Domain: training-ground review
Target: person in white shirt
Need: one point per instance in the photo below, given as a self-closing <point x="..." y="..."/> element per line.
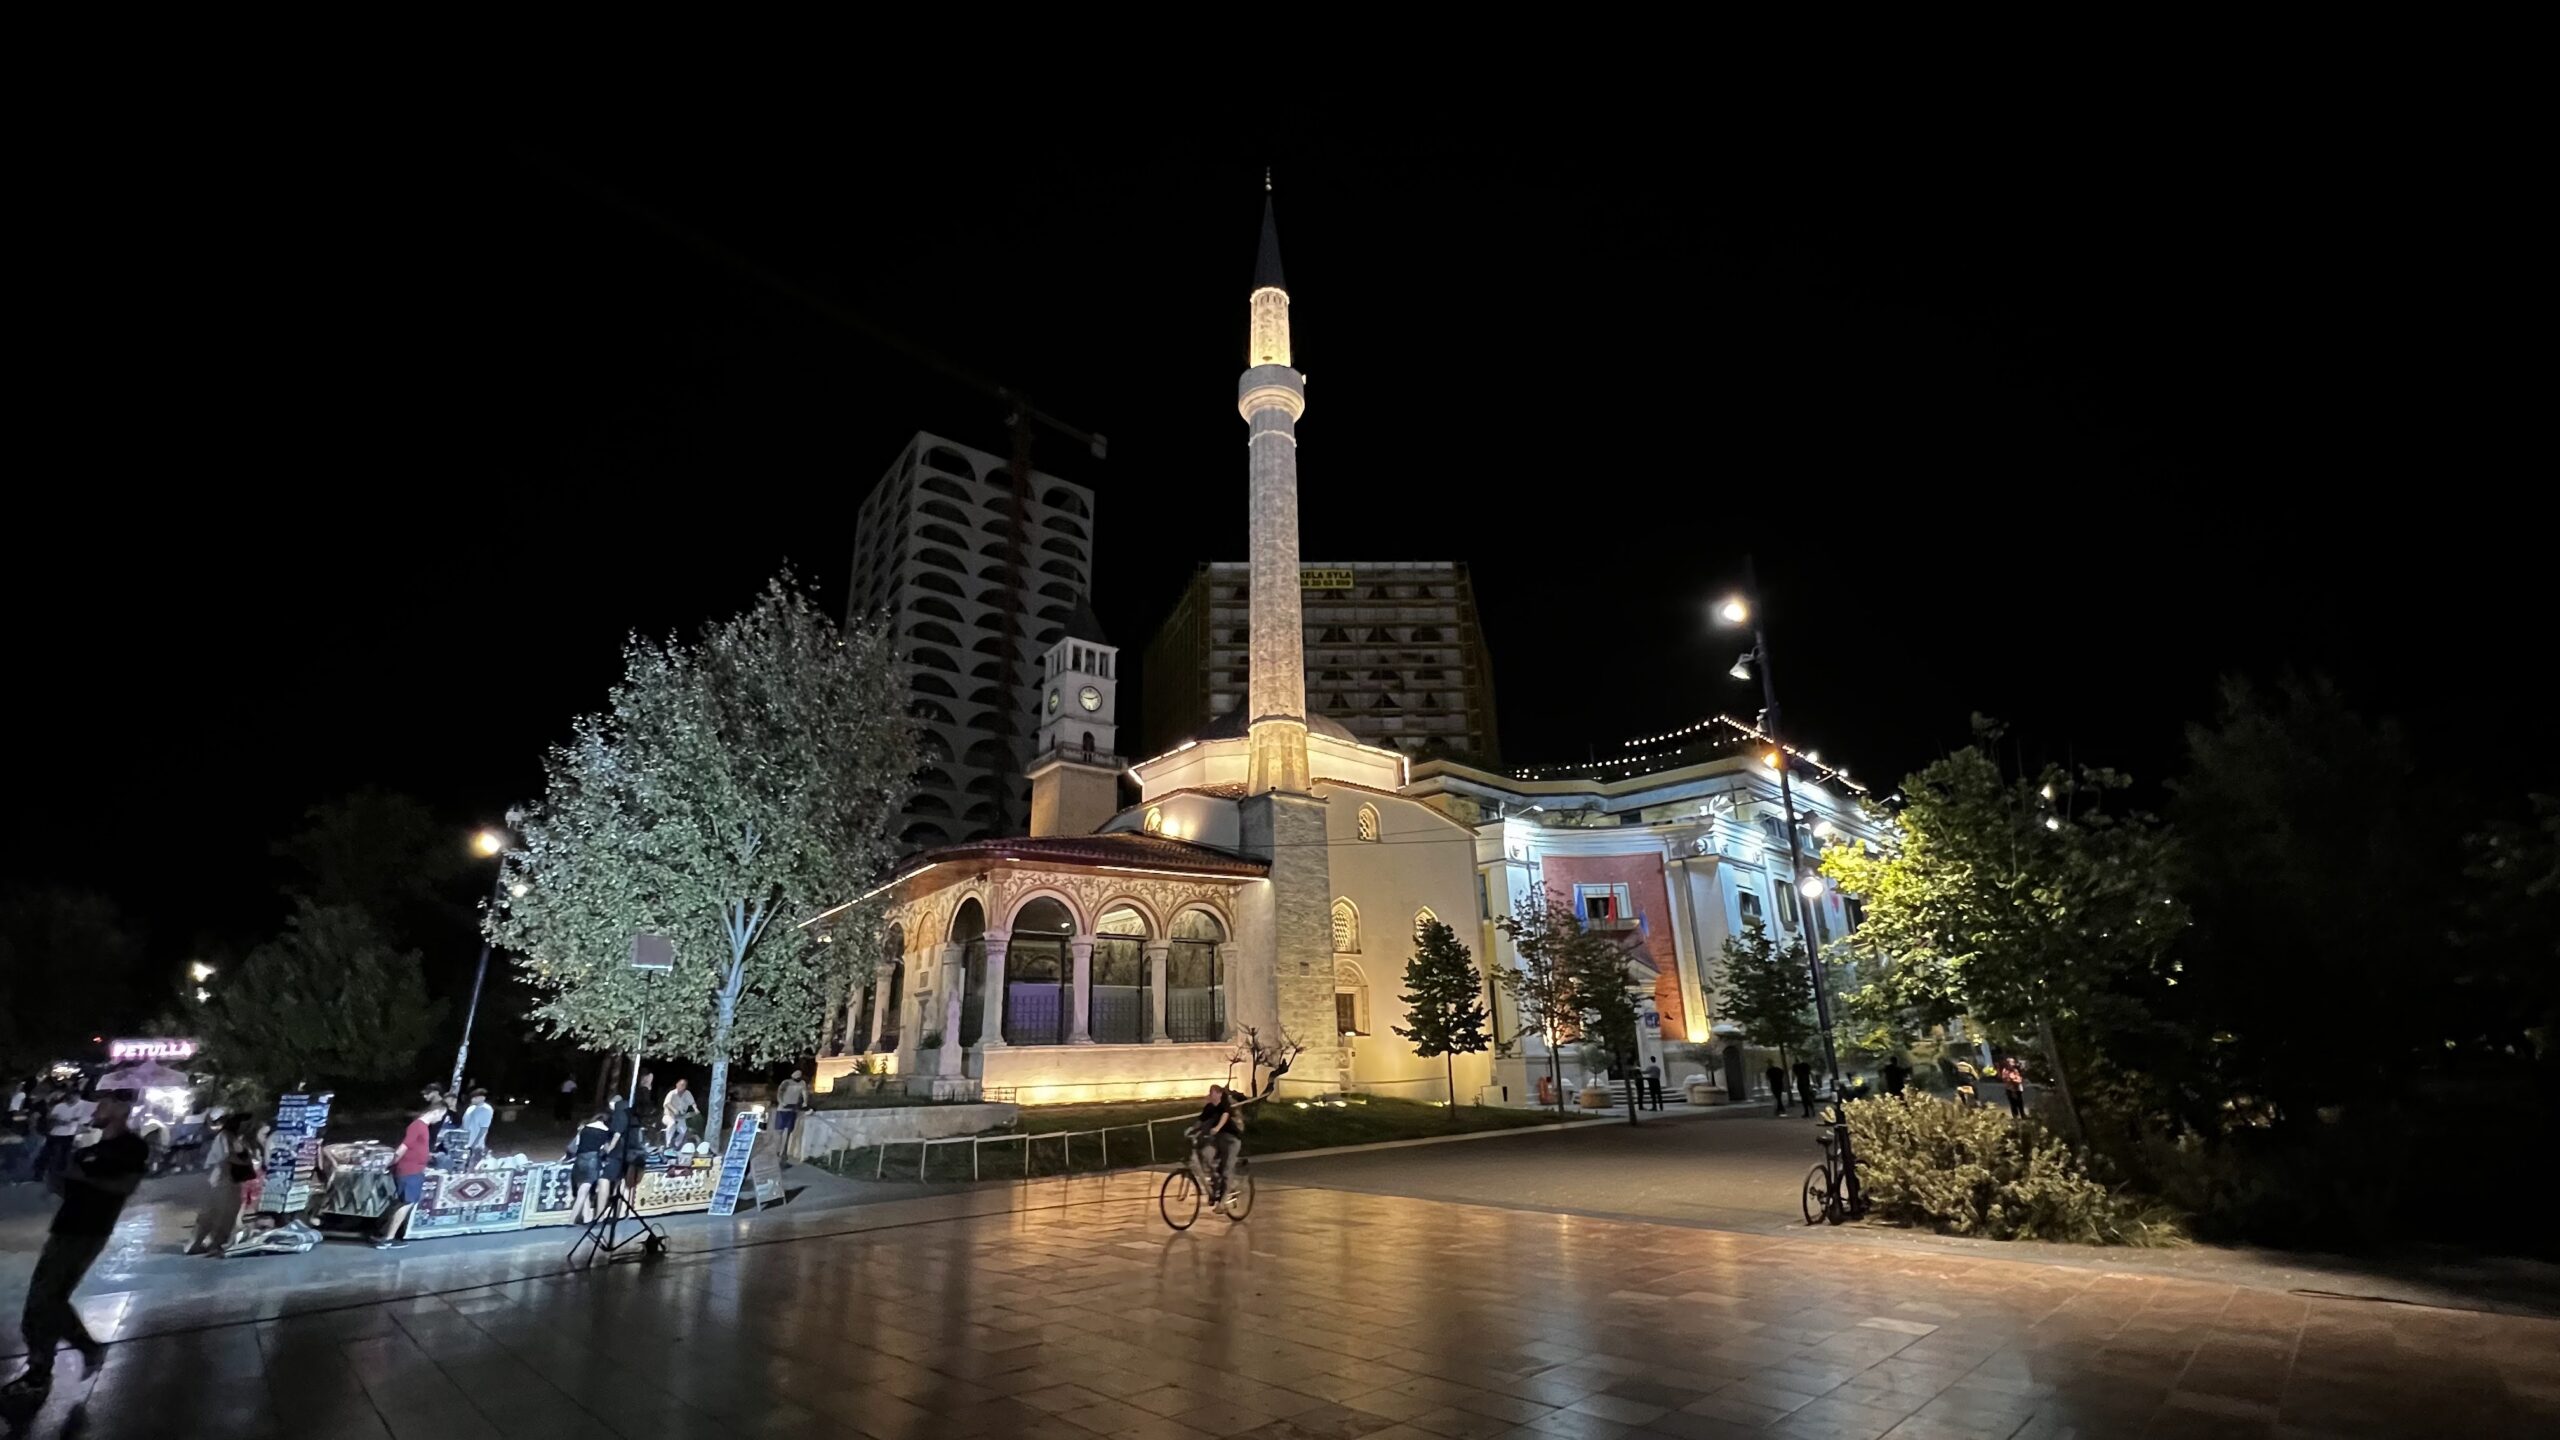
<point x="475" y="1127"/>
<point x="678" y="1109"/>
<point x="789" y="1099"/>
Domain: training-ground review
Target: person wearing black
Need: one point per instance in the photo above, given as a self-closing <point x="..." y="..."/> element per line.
<point x="95" y="1185"/>
<point x="632" y="1155"/>
<point x="1217" y="1136"/>
<point x="1777" y="1088"/>
<point x="594" y="1141"/>
<point x="1896" y="1075"/>
<point x="1804" y="1085"/>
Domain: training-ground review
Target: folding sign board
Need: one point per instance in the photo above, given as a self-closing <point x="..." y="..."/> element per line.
<point x="652" y="952"/>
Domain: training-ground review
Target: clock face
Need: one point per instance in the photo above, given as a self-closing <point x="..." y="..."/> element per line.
<point x="1089" y="698"/>
<point x="1053" y="702"/>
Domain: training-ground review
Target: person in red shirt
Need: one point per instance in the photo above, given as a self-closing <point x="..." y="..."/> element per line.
<point x="409" y="1169"/>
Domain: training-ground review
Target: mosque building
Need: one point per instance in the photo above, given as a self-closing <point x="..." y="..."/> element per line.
<point x="1268" y="882"/>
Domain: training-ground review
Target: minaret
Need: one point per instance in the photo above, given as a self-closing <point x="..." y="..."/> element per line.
<point x="1271" y="397"/>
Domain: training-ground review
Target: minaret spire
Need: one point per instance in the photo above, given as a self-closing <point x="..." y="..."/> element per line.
<point x="1272" y="396"/>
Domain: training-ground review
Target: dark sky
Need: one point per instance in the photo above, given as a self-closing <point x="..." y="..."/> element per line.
<point x="384" y="442"/>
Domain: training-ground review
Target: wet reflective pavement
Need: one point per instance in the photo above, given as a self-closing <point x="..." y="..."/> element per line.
<point x="1068" y="1310"/>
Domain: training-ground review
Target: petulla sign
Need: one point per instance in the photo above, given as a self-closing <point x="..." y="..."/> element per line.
<point x="1324" y="579"/>
<point x="151" y="1049"/>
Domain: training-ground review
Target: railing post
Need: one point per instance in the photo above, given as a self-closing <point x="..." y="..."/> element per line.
<point x="973" y="1161"/>
<point x="1151" y="1143"/>
<point x="1106" y="1151"/>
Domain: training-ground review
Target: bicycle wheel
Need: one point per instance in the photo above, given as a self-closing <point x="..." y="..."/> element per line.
<point x="1817" y="1196"/>
<point x="1239" y="1195"/>
<point x="1179" y="1200"/>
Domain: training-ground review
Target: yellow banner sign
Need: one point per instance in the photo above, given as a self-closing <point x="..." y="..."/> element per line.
<point x="1324" y="579"/>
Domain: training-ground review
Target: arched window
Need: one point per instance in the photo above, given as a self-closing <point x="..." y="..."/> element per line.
<point x="1039" y="975"/>
<point x="944" y="508"/>
<point x="1195" y="987"/>
<point x="1366" y="822"/>
<point x="931" y="658"/>
<point x="1421" y="918"/>
<point x="1066" y="500"/>
<point x="990" y="755"/>
<point x="922" y="836"/>
<point x="1121" y="1009"/>
<point x="983" y="810"/>
<point x="927" y="710"/>
<point x="1350" y="1000"/>
<point x="932" y="685"/>
<point x="969" y="932"/>
<point x="1155" y="819"/>
<point x="1058" y="590"/>
<point x="928" y="805"/>
<point x="941" y="560"/>
<point x="1061" y="567"/>
<point x="933" y="630"/>
<point x="1346" y="928"/>
<point x="935" y="580"/>
<point x="1088" y="745"/>
<point x="930" y="776"/>
<point x="933" y="747"/>
<point x="942" y="535"/>
<point x="1060" y="522"/>
<point x="941" y="457"/>
<point x="1061" y="545"/>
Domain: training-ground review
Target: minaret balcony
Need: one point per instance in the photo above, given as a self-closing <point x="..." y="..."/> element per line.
<point x="1271" y="387"/>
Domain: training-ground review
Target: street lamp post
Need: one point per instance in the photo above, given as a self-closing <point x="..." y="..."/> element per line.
<point x="1745" y="609"/>
<point x="491" y="843"/>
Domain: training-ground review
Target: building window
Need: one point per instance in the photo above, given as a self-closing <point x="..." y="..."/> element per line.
<point x="969" y="931"/>
<point x="1484" y="895"/>
<point x="1350" y="1000"/>
<point x="1039" y="983"/>
<point x="1751" y="908"/>
<point x="1367" y="822"/>
<point x="1155" y="820"/>
<point x="1854" y="911"/>
<point x="1786" y="904"/>
<point x="1602" y="904"/>
<point x="1195" y="989"/>
<point x="1346" y="928"/>
<point x="1121" y="1008"/>
<point x="1421" y="918"/>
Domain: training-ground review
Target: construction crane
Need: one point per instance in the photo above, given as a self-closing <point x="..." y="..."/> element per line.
<point x="1020" y="416"/>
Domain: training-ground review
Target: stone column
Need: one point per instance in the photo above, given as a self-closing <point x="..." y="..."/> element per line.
<point x="1080" y="1027"/>
<point x="1158" y="953"/>
<point x="952" y="985"/>
<point x="991" y="1007"/>
<point x="879" y="1015"/>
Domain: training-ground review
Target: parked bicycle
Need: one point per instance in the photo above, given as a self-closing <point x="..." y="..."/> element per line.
<point x="1831" y="1190"/>
<point x="1185" y="1189"/>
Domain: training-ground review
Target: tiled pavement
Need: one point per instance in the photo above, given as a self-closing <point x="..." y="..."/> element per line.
<point x="1329" y="1316"/>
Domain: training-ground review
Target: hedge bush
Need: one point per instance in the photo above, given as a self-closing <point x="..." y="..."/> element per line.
<point x="1964" y="1170"/>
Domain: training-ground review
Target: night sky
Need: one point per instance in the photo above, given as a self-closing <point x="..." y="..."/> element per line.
<point x="385" y="444"/>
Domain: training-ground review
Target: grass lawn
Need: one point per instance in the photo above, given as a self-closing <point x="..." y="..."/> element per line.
<point x="1272" y="1128"/>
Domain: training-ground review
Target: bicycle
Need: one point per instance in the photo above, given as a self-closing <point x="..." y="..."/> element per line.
<point x="1831" y="1190"/>
<point x="1180" y="1197"/>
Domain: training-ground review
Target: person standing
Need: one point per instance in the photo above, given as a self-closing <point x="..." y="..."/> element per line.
<point x="2013" y="1080"/>
<point x="475" y="1128"/>
<point x="567" y="1100"/>
<point x="232" y="1163"/>
<point x="1804" y="1085"/>
<point x="1896" y="1075"/>
<point x="1653" y="1083"/>
<point x="644" y="1100"/>
<point x="95" y="1184"/>
<point x="594" y="1142"/>
<point x="788" y="1101"/>
<point x="1777" y="1088"/>
<point x="61" y="1126"/>
<point x="409" y="1172"/>
<point x="679" y="1109"/>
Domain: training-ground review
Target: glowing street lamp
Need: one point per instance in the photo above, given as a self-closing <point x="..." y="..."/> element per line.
<point x="490" y="842"/>
<point x="199" y="972"/>
<point x="1743" y="608"/>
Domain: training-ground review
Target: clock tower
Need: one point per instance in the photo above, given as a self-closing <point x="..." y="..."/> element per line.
<point x="1075" y="763"/>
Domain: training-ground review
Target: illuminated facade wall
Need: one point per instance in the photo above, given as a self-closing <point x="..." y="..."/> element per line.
<point x="931" y="551"/>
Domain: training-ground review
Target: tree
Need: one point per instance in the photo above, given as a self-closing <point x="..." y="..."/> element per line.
<point x="1440" y="998"/>
<point x="74" y="967"/>
<point x="2025" y="903"/>
<point x="1544" y="932"/>
<point x="1768" y="991"/>
<point x="1605" y="1002"/>
<point x="732" y="791"/>
<point x="391" y="855"/>
<point x="330" y="1001"/>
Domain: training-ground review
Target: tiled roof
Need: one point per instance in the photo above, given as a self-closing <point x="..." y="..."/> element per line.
<point x="1148" y="852"/>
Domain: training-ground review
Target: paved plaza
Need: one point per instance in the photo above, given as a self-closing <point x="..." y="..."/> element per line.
<point x="1066" y="1309"/>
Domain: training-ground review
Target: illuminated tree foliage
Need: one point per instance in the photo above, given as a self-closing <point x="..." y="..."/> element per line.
<point x="1768" y="991"/>
<point x="1443" y="999"/>
<point x="329" y="1002"/>
<point x="732" y="790"/>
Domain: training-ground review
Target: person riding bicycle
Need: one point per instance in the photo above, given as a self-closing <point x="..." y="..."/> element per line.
<point x="1217" y="1137"/>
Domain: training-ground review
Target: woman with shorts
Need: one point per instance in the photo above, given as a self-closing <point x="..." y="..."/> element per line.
<point x="586" y="1166"/>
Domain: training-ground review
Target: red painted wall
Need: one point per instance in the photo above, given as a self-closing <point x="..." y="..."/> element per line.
<point x="1649" y="896"/>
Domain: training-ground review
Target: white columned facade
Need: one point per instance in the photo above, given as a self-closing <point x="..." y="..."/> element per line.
<point x="1158" y="956"/>
<point x="991" y="1005"/>
<point x="1080" y="1027"/>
